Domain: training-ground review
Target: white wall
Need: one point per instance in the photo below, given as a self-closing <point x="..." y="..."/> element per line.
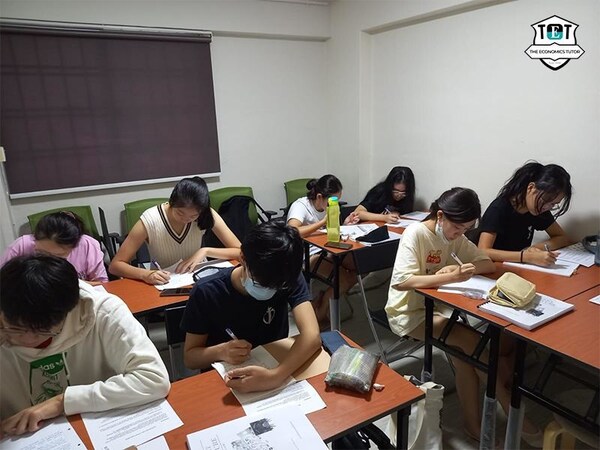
<point x="269" y="67"/>
<point x="456" y="98"/>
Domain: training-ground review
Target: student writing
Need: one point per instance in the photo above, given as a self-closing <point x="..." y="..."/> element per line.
<point x="252" y="300"/>
<point x="389" y="199"/>
<point x="61" y="234"/>
<point x="66" y="348"/>
<point x="532" y="199"/>
<point x="173" y="231"/>
<point x="424" y="261"/>
<point x="308" y="214"/>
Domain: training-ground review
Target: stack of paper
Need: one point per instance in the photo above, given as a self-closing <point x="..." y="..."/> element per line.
<point x="476" y="284"/>
<point x="281" y="428"/>
<point x="541" y="310"/>
<point x="186" y="279"/>
<point x="562" y="268"/>
<point x="576" y="253"/>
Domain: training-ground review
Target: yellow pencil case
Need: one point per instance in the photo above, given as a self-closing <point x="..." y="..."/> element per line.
<point x="512" y="290"/>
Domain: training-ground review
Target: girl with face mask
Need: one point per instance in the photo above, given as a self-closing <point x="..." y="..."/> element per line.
<point x="308" y="214"/>
<point x="534" y="197"/>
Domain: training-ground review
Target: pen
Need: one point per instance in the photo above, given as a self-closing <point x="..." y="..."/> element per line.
<point x="546" y="247"/>
<point x="456" y="258"/>
<point x="386" y="211"/>
<point x="156" y="264"/>
<point x="231" y="334"/>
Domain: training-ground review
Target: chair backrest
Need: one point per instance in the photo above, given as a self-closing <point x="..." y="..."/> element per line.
<point x="173" y="316"/>
<point x="375" y="257"/>
<point x="294" y="189"/>
<point x="218" y="196"/>
<point x="109" y="240"/>
<point x="133" y="210"/>
<point x="83" y="212"/>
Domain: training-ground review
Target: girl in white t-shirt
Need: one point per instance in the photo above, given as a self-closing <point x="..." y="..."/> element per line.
<point x="424" y="261"/>
<point x="308" y="214"/>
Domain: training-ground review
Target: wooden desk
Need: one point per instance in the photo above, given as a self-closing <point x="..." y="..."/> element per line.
<point x="575" y="337"/>
<point x="337" y="255"/>
<point x="141" y="298"/>
<point x="203" y="401"/>
<point x="555" y="286"/>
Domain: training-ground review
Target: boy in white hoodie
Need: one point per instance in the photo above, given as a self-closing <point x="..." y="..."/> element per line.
<point x="66" y="348"/>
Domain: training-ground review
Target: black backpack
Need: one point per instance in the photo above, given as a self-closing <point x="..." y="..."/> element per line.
<point x="234" y="212"/>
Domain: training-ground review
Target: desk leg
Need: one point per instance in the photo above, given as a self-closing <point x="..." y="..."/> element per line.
<point x="402" y="429"/>
<point x="487" y="436"/>
<point x="428" y="351"/>
<point x="515" y="414"/>
<point x="334" y="302"/>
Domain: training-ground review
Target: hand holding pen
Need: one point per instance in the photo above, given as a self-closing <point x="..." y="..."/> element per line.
<point x="464" y="271"/>
<point x="156" y="276"/>
<point x="235" y="351"/>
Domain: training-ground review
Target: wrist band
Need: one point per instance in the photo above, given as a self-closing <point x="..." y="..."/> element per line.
<point x="522" y="256"/>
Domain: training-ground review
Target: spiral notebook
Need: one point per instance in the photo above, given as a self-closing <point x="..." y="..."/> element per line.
<point x="542" y="309"/>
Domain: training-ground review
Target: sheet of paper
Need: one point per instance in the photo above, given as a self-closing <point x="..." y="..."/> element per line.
<point x="562" y="268"/>
<point x="416" y="215"/>
<point x="121" y="428"/>
<point x="185" y="279"/>
<point x="57" y="434"/>
<point x="576" y="253"/>
<point x="476" y="283"/>
<point x="160" y="443"/>
<point x="354" y="231"/>
<point x="595" y="299"/>
<point x="300" y="394"/>
<point x="402" y="223"/>
<point x="281" y="428"/>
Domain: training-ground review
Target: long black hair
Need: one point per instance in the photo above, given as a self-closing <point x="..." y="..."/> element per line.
<point x="383" y="189"/>
<point x="193" y="193"/>
<point x="459" y="205"/>
<point x="327" y="185"/>
<point x="64" y="228"/>
<point x="550" y="180"/>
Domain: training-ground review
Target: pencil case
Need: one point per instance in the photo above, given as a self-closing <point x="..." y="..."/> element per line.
<point x="512" y="290"/>
<point x="352" y="368"/>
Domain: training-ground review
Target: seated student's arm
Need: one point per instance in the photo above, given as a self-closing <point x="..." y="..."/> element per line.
<point x="120" y="264"/>
<point x="230" y="241"/>
<point x="96" y="272"/>
<point x="558" y="238"/>
<point x="308" y="341"/>
<point x="196" y="355"/>
<point x="365" y="215"/>
<point x="140" y="374"/>
<point x="306" y="230"/>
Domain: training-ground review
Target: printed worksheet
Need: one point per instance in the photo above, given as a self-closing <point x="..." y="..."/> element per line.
<point x="57" y="434"/>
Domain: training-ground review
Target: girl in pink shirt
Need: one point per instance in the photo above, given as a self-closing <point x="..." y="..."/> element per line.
<point x="61" y="234"/>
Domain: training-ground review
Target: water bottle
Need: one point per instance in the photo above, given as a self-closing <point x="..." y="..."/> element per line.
<point x="333" y="219"/>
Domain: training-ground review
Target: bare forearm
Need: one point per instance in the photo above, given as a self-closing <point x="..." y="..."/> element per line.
<point x="424" y="281"/>
<point x="302" y="349"/>
<point x="555" y="243"/>
<point x="503" y="255"/>
<point x="223" y="253"/>
<point x="203" y="357"/>
<point x="123" y="269"/>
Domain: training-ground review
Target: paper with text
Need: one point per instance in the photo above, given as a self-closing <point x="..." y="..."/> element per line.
<point x="57" y="434"/>
<point x="281" y="428"/>
<point x="121" y="428"/>
<point x="476" y="283"/>
<point x="160" y="443"/>
<point x="301" y="394"/>
<point x="402" y="223"/>
<point x="576" y="253"/>
<point x="562" y="268"/>
<point x="186" y="279"/>
<point x="416" y="215"/>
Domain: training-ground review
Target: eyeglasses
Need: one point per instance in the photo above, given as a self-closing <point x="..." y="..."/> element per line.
<point x="20" y="331"/>
<point x="399" y="193"/>
<point x="550" y="207"/>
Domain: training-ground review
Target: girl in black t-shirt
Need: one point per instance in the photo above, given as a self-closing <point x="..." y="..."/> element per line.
<point x="390" y="198"/>
<point x="532" y="199"/>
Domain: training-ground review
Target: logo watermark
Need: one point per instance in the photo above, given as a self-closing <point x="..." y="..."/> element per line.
<point x="554" y="43"/>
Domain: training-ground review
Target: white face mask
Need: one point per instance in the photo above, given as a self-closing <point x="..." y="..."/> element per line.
<point x="257" y="291"/>
<point x="439" y="231"/>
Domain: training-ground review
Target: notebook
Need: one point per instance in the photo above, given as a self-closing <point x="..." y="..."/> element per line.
<point x="542" y="309"/>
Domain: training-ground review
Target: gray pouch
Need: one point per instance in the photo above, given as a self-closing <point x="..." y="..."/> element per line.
<point x="352" y="368"/>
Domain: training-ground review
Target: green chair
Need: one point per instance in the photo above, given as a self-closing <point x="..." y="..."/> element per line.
<point x="295" y="189"/>
<point x="218" y="196"/>
<point x="133" y="210"/>
<point x="83" y="212"/>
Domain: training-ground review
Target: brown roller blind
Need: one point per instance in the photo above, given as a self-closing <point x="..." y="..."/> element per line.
<point x="83" y="107"/>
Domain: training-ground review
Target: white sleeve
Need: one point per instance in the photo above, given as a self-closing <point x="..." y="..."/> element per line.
<point x="141" y="376"/>
<point x="298" y="211"/>
<point x="408" y="258"/>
